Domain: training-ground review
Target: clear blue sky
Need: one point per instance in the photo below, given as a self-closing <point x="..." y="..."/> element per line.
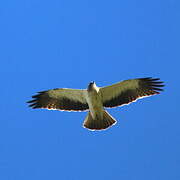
<point x="67" y="43"/>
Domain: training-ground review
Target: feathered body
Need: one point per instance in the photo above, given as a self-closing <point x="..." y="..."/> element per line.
<point x="95" y="99"/>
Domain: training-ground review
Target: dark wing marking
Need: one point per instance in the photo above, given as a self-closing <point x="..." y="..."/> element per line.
<point x="128" y="91"/>
<point x="60" y="99"/>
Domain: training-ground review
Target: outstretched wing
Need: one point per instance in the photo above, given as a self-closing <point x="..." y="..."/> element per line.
<point x="128" y="91"/>
<point x="60" y="99"/>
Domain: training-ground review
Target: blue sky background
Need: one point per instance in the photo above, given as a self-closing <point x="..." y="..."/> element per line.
<point x="66" y="43"/>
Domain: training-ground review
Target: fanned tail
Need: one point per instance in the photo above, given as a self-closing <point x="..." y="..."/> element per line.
<point x="99" y="124"/>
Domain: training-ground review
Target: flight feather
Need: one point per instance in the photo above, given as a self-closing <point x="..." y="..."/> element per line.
<point x="128" y="91"/>
<point x="60" y="99"/>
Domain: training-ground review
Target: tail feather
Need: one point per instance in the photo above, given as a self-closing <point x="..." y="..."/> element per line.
<point x="99" y="124"/>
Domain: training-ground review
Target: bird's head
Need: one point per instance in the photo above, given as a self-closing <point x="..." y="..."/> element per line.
<point x="91" y="85"/>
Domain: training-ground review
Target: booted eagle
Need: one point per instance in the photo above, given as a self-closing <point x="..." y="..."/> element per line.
<point x="95" y="99"/>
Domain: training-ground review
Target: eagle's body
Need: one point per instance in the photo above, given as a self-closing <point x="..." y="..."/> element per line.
<point x="95" y="99"/>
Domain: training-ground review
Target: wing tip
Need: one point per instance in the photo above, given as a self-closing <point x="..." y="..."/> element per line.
<point x="154" y="84"/>
<point x="34" y="102"/>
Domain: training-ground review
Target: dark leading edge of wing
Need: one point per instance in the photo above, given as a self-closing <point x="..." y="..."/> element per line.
<point x="53" y="101"/>
<point x="146" y="87"/>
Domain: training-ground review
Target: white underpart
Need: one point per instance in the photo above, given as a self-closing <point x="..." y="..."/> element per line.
<point x="95" y="102"/>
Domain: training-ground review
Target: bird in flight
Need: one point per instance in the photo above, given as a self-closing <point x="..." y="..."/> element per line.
<point x="95" y="99"/>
